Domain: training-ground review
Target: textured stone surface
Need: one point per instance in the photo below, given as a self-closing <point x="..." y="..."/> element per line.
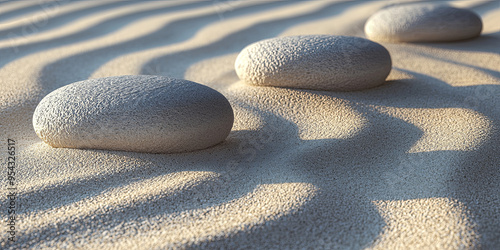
<point x="152" y="114"/>
<point x="322" y="62"/>
<point x="423" y="23"/>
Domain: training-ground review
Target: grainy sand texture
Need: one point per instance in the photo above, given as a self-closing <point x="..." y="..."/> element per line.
<point x="411" y="164"/>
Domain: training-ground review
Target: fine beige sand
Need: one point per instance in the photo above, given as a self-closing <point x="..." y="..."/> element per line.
<point x="412" y="164"/>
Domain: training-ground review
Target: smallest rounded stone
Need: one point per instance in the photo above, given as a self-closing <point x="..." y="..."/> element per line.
<point x="423" y="22"/>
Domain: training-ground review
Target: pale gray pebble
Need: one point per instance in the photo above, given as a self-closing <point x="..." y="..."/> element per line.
<point x="152" y="114"/>
<point x="423" y="22"/>
<point x="318" y="62"/>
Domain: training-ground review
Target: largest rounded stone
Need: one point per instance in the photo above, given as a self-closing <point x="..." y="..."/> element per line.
<point x="151" y="114"/>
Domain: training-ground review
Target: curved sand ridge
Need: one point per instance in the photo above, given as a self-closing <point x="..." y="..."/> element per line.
<point x="370" y="169"/>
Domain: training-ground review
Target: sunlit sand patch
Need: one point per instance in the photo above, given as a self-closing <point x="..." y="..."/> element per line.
<point x="316" y="116"/>
<point x="440" y="223"/>
<point x="118" y="198"/>
<point x="491" y="20"/>
<point x="332" y="118"/>
<point x="474" y="67"/>
<point x="397" y="74"/>
<point x="267" y="203"/>
<point x="445" y="128"/>
<point x="246" y="119"/>
<point x="216" y="72"/>
<point x="455" y="67"/>
<point x="64" y="169"/>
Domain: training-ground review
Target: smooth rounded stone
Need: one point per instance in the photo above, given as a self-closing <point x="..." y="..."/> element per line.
<point x="152" y="114"/>
<point x="319" y="62"/>
<point x="423" y="23"/>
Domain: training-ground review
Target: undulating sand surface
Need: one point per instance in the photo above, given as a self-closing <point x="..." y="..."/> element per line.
<point x="412" y="164"/>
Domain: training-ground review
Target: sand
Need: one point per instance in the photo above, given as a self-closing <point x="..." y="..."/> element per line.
<point x="411" y="164"/>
